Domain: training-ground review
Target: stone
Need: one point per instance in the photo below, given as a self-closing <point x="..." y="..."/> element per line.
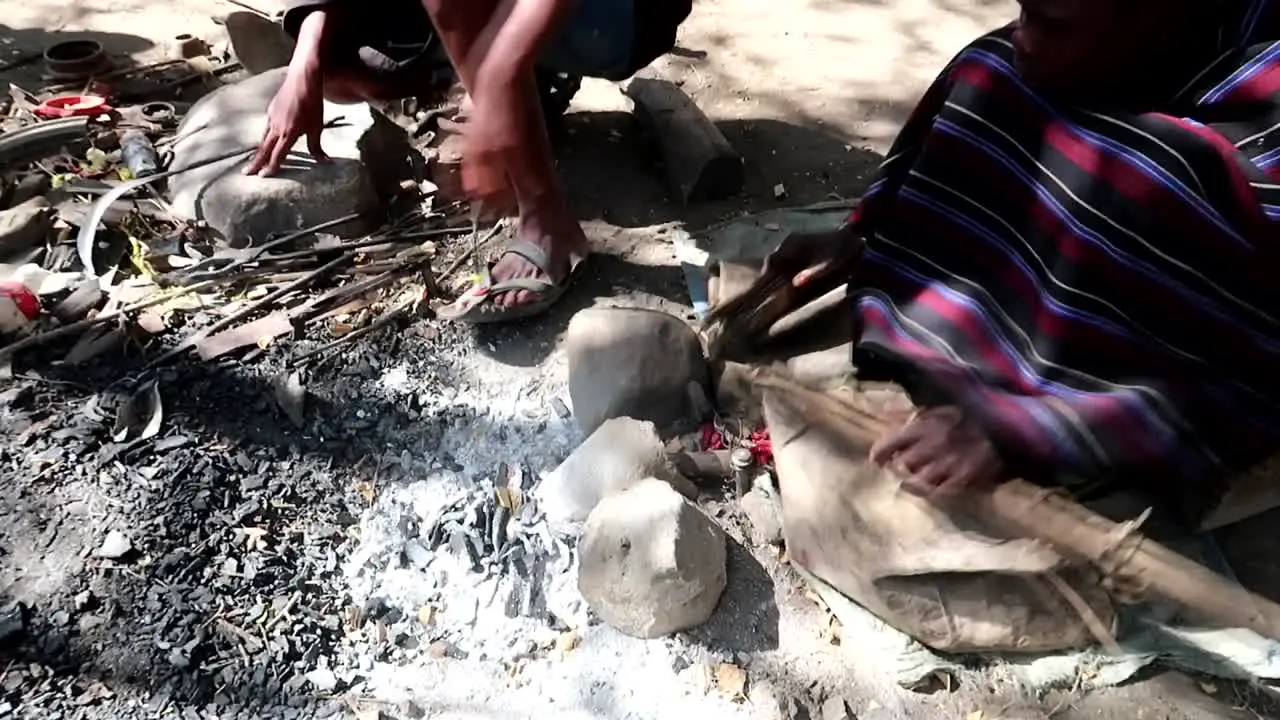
<point x="643" y="364"/>
<point x="736" y="396"/>
<point x="369" y="159"/>
<point x="114" y="546"/>
<point x="651" y="563"/>
<point x="762" y="509"/>
<point x="619" y="454"/>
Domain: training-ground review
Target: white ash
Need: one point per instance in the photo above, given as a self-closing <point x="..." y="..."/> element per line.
<point x="482" y="626"/>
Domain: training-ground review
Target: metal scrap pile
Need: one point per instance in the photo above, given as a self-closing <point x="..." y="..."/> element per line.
<point x="92" y="256"/>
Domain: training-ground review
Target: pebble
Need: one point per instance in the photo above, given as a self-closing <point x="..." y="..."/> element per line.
<point x="115" y="546"/>
<point x="323" y="679"/>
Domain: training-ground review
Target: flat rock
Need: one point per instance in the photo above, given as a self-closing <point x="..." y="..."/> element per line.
<point x="369" y="154"/>
<point x="114" y="546"/>
<point x="643" y="364"/>
<point x="619" y="454"/>
<point x="651" y="563"/>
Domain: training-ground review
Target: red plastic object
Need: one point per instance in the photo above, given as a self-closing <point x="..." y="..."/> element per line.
<point x="71" y="105"/>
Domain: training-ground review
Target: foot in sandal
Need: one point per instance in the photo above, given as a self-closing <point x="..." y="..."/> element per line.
<point x="532" y="273"/>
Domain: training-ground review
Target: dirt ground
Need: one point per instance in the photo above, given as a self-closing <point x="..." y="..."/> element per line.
<point x="811" y="91"/>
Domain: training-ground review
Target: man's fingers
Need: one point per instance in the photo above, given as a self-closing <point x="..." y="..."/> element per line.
<point x="811" y="273"/>
<point x="262" y="154"/>
<point x="929" y="478"/>
<point x="895" y="441"/>
<point x="279" y="151"/>
<point x="313" y="145"/>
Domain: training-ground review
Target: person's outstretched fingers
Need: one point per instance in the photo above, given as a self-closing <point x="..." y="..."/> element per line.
<point x="262" y="154"/>
<point x="279" y="151"/>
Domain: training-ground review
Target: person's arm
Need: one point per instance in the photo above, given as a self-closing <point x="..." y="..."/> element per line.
<point x="509" y="47"/>
<point x="297" y="109"/>
<point x="313" y="32"/>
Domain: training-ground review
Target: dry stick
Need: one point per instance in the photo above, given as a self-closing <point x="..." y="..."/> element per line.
<point x="466" y="254"/>
<point x="88" y="323"/>
<point x="1023" y="509"/>
<point x="252" y="308"/>
<point x="253" y="254"/>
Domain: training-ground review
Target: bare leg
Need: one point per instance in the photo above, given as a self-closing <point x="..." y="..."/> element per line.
<point x="544" y="217"/>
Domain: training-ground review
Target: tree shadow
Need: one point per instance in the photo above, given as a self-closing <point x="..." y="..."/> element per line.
<point x="613" y="173"/>
<point x="21" y="51"/>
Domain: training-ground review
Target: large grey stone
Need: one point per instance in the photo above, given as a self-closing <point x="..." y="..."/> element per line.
<point x="369" y="157"/>
<point x="650" y="562"/>
<point x="636" y="363"/>
<point x="619" y="454"/>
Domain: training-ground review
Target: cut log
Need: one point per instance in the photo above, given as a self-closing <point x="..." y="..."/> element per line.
<point x="699" y="163"/>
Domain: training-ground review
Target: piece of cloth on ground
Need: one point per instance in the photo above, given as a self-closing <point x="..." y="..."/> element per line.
<point x="1145" y="639"/>
<point x="1096" y="290"/>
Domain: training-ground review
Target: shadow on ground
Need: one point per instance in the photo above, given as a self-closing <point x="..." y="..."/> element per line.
<point x="21" y="51"/>
<point x="613" y="173"/>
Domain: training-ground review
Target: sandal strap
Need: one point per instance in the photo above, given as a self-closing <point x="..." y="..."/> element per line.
<point x="534" y="254"/>
<point x="535" y="285"/>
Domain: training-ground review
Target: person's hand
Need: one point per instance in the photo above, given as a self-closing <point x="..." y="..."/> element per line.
<point x="805" y="257"/>
<point x="489" y="140"/>
<point x="297" y="110"/>
<point x="940" y="452"/>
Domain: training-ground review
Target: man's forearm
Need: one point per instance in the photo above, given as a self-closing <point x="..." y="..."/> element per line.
<point x="312" y="35"/>
<point x="512" y="44"/>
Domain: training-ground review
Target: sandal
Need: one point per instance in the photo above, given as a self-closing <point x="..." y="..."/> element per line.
<point x="476" y="305"/>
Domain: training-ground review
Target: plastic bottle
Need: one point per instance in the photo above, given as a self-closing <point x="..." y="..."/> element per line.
<point x="138" y="153"/>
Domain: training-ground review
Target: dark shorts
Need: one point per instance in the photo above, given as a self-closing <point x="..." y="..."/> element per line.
<point x="610" y="39"/>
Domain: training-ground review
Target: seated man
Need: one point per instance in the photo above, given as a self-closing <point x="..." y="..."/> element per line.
<point x="348" y="52"/>
<point x="1075" y="240"/>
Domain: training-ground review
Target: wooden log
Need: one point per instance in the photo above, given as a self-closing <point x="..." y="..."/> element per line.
<point x="1023" y="509"/>
<point x="699" y="163"/>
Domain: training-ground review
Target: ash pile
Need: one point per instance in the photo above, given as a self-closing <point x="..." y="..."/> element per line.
<point x="450" y="568"/>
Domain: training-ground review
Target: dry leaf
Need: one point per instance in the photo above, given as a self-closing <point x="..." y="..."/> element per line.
<point x="339" y="329"/>
<point x="1209" y="688"/>
<point x="732" y="681"/>
<point x="366" y="490"/>
<point x="975" y="715"/>
<point x="427" y="615"/>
